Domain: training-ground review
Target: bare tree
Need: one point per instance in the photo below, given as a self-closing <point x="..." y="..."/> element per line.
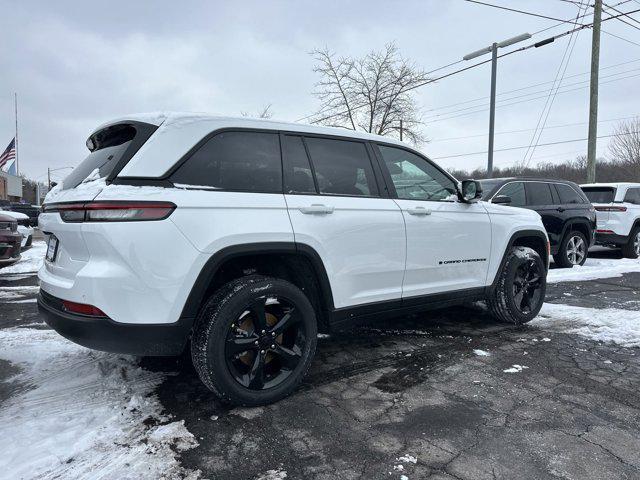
<point x="264" y="113"/>
<point x="373" y="93"/>
<point x="624" y="147"/>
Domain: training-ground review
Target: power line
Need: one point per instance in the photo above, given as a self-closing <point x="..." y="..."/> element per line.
<point x="444" y="107"/>
<point x="552" y="94"/>
<point x="525" y="146"/>
<point x="621" y="38"/>
<point x="455" y="72"/>
<point x="576" y="124"/>
<point x="527" y="100"/>
<point x="521" y="11"/>
<point x="624" y="14"/>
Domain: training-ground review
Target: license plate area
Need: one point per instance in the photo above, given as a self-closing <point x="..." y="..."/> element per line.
<point x="52" y="248"/>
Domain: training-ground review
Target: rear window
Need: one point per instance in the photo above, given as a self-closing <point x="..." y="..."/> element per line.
<point x="633" y="196"/>
<point x="235" y="161"/>
<point x="108" y="147"/>
<point x="600" y="194"/>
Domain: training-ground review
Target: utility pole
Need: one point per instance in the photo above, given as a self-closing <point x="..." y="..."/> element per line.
<point x="593" y="93"/>
<point x="400" y="129"/>
<point x="49" y="177"/>
<point x="492" y="111"/>
<point x="493" y="49"/>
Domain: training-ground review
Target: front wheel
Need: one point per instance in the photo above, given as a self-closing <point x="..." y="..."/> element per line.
<point x="522" y="283"/>
<point x="632" y="248"/>
<point x="254" y="340"/>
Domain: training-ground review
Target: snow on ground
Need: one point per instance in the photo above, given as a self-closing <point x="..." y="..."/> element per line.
<point x="481" y="353"/>
<point x="610" y="325"/>
<point x="31" y="260"/>
<point x="594" y="268"/>
<point x="83" y="414"/>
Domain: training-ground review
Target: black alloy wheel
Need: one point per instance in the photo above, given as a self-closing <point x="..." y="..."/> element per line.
<point x="527" y="286"/>
<point x="265" y="343"/>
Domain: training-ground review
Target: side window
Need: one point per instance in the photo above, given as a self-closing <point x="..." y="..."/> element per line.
<point x="568" y="194"/>
<point x="514" y="190"/>
<point x="298" y="177"/>
<point x="237" y="161"/>
<point x="633" y="196"/>
<point x="538" y="193"/>
<point x="416" y="179"/>
<point x="342" y="167"/>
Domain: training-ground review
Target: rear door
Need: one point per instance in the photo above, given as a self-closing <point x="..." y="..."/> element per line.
<point x="540" y="199"/>
<point x="338" y="207"/>
<point x="448" y="242"/>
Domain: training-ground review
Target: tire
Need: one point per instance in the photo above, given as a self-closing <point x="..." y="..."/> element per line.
<point x="573" y="250"/>
<point x="229" y="322"/>
<point x="631" y="249"/>
<point x="505" y="301"/>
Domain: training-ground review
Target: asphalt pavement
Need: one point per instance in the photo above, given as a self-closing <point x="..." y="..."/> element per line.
<point x="435" y="396"/>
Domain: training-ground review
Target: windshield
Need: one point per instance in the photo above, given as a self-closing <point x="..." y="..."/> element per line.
<point x="600" y="194"/>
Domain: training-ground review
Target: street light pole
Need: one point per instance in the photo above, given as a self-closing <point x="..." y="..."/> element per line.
<point x="493" y="49"/>
<point x="593" y="93"/>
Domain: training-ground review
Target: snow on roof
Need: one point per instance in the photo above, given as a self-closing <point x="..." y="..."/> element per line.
<point x="180" y="119"/>
<point x="616" y="184"/>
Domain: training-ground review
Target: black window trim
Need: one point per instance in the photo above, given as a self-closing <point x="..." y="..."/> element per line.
<point x="579" y="194"/>
<point x="386" y="175"/>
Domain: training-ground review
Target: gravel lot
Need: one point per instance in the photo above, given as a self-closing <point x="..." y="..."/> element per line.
<point x="451" y="394"/>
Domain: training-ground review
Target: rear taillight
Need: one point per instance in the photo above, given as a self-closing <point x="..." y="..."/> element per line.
<point x="611" y="209"/>
<point x="604" y="231"/>
<point x="82" y="309"/>
<point x="114" y="211"/>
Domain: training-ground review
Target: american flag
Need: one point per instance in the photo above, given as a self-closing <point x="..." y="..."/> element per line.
<point x="9" y="153"/>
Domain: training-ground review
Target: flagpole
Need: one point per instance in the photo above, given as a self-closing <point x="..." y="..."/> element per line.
<point x="15" y="98"/>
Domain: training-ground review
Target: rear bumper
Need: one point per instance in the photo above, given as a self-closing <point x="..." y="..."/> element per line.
<point x="109" y="336"/>
<point x="611" y="239"/>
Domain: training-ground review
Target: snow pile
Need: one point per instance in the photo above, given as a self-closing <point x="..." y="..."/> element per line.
<point x="610" y="325"/>
<point x="481" y="353"/>
<point x="594" y="268"/>
<point x="515" y="369"/>
<point x="84" y="414"/>
<point x="31" y="260"/>
<point x="273" y="475"/>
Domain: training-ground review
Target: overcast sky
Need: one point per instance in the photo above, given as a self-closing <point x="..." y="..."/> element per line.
<point x="77" y="64"/>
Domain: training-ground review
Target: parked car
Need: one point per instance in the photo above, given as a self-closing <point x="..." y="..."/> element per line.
<point x="24" y="227"/>
<point x="567" y="214"/>
<point x="9" y="240"/>
<point x="247" y="237"/>
<point x="618" y="206"/>
<point x="32" y="211"/>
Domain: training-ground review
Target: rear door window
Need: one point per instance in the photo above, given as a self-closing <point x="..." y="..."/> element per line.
<point x="538" y="193"/>
<point x="235" y="161"/>
<point x="298" y="176"/>
<point x="108" y="147"/>
<point x="514" y="190"/>
<point x="633" y="196"/>
<point x="568" y="194"/>
<point x="600" y="194"/>
<point x="342" y="167"/>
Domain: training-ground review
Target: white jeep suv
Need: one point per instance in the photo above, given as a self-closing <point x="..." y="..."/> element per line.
<point x="618" y="215"/>
<point x="242" y="239"/>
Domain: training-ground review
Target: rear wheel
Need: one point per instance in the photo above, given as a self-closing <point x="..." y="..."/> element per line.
<point x="632" y="248"/>
<point x="254" y="340"/>
<point x="519" y="293"/>
<point x="573" y="250"/>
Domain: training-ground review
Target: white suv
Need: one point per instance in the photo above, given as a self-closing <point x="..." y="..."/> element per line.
<point x="245" y="238"/>
<point x="618" y="215"/>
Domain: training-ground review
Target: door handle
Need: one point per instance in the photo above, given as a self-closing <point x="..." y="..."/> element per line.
<point x="560" y="209"/>
<point x="419" y="211"/>
<point x="316" y="209"/>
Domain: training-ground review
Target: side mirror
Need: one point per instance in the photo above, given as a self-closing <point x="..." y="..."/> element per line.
<point x="470" y="191"/>
<point x="502" y="199"/>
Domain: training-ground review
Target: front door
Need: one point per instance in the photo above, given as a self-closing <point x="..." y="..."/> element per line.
<point x="448" y="242"/>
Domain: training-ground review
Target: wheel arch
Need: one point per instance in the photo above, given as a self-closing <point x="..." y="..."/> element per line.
<point x="535" y="239"/>
<point x="295" y="262"/>
<point x="581" y="225"/>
